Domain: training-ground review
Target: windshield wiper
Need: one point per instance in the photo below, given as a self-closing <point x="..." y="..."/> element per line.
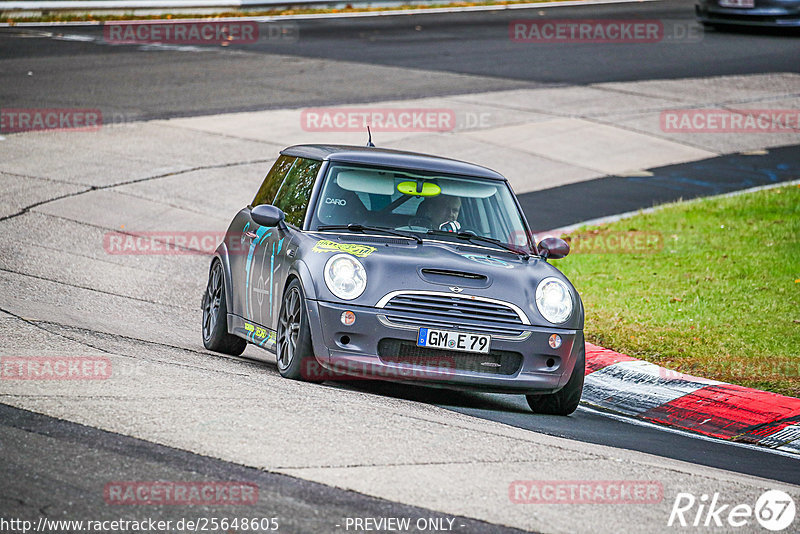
<point x="469" y="236"/>
<point x="364" y="229"/>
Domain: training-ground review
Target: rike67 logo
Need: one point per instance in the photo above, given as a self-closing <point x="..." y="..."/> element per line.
<point x="774" y="510"/>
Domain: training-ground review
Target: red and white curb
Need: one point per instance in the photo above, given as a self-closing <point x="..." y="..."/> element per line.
<point x="642" y="390"/>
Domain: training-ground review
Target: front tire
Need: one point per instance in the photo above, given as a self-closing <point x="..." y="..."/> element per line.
<point x="215" y="316"/>
<point x="566" y="400"/>
<point x="295" y="352"/>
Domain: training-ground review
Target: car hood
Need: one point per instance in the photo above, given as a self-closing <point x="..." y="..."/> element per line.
<point x="396" y="264"/>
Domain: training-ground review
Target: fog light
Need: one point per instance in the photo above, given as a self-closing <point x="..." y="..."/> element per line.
<point x="348" y="318"/>
<point x="554" y="341"/>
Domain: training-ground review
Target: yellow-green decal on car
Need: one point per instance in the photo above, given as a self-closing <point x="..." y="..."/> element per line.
<point x="257" y="333"/>
<point x="351" y="248"/>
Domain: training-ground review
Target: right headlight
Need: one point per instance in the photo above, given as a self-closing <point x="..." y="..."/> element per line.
<point x="345" y="276"/>
<point x="554" y="300"/>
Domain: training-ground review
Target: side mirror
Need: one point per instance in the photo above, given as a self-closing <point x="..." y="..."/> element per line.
<point x="553" y="248"/>
<point x="267" y="215"/>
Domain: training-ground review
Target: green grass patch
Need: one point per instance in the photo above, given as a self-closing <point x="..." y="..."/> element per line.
<point x="55" y="16"/>
<point x="709" y="287"/>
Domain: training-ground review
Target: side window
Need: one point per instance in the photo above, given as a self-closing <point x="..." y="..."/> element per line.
<point x="295" y="192"/>
<point x="273" y="181"/>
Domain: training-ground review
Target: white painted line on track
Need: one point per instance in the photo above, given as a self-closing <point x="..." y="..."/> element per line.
<point x="639" y="422"/>
<point x="73" y="37"/>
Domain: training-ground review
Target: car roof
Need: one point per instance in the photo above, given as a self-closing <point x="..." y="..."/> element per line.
<point x="390" y="158"/>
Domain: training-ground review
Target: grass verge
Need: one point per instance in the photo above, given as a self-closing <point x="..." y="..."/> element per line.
<point x="709" y="287"/>
<point x="11" y="19"/>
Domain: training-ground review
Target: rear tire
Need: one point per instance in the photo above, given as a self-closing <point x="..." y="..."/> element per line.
<point x="215" y="316"/>
<point x="566" y="400"/>
<point x="294" y="350"/>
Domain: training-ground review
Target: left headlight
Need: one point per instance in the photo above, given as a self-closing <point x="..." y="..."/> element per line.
<point x="554" y="300"/>
<point x="345" y="276"/>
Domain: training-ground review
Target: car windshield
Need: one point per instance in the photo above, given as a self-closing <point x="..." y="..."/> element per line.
<point x="429" y="205"/>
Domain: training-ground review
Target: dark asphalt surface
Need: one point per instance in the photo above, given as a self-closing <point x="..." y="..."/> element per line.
<point x="611" y="195"/>
<point x="335" y="61"/>
<point x="55" y="468"/>
<point x="593" y="427"/>
<point x="479" y="44"/>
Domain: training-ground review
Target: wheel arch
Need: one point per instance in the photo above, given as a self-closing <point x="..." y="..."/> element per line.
<point x="222" y="255"/>
<point x="300" y="271"/>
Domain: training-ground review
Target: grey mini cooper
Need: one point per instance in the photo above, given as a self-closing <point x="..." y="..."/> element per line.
<point x="358" y="262"/>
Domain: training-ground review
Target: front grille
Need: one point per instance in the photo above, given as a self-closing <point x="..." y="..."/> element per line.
<point x="453" y="310"/>
<point x="484" y="327"/>
<point x="497" y="362"/>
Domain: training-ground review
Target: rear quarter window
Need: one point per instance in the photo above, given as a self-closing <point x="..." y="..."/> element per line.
<point x="294" y="193"/>
<point x="274" y="179"/>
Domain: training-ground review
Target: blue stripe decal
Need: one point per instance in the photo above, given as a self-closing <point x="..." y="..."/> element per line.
<point x="271" y="271"/>
<point x="265" y="339"/>
<point x="261" y="234"/>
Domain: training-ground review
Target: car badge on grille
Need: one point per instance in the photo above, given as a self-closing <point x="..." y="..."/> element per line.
<point x="490" y="364"/>
<point x="456" y="289"/>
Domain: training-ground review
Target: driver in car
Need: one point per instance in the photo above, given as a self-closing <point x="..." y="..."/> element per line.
<point x="443" y="211"/>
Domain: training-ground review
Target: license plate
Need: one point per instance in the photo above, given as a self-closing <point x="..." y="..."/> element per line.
<point x="445" y="339"/>
<point x="737" y="3"/>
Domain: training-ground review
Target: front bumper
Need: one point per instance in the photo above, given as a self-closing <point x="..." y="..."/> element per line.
<point x="377" y="348"/>
<point x="767" y="16"/>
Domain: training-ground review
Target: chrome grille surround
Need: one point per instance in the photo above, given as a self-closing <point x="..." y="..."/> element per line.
<point x="410" y="309"/>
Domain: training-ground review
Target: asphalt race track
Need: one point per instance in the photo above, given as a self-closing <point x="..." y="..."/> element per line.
<point x="612" y="195"/>
<point x="391" y="57"/>
<point x="53" y="468"/>
<point x="38" y="482"/>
